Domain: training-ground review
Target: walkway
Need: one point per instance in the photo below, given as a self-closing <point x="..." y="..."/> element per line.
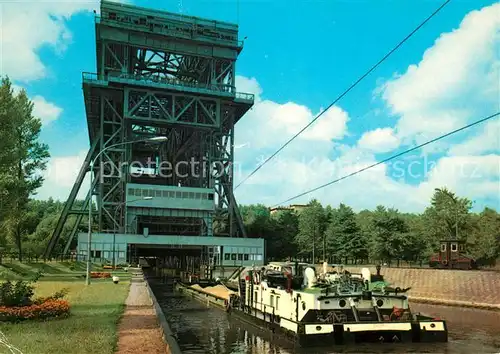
<point x="139" y="330"/>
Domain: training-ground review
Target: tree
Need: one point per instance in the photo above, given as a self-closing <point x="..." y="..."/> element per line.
<point x="25" y="158"/>
<point x="344" y="235"/>
<point x="312" y="225"/>
<point x="448" y="217"/>
<point x="484" y="240"/>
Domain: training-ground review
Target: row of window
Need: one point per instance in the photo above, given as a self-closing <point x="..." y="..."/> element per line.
<point x="242" y="257"/>
<point x="454" y="247"/>
<point x="104" y="254"/>
<point x="169" y="194"/>
<point x="272" y="303"/>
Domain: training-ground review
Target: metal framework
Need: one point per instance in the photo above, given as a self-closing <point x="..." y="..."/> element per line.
<point x="161" y="74"/>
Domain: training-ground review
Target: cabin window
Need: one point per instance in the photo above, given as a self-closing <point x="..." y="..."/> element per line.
<point x="271" y="301"/>
<point x="227" y="256"/>
<point x="245" y="257"/>
<point x="443" y="247"/>
<point x="240" y="256"/>
<point x="277" y="301"/>
<point x="454" y="247"/>
<point x="256" y="297"/>
<point x="233" y="256"/>
<point x="460" y="248"/>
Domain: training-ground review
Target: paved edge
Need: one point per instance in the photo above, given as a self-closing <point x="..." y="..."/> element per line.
<point x="168" y="335"/>
<point x="455" y="303"/>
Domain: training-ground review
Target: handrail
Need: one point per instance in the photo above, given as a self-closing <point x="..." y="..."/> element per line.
<point x="88" y="76"/>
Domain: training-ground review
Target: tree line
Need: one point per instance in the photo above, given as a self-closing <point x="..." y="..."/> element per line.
<point x="341" y="235"/>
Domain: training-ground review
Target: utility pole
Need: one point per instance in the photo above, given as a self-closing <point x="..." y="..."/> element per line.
<point x="314" y="241"/>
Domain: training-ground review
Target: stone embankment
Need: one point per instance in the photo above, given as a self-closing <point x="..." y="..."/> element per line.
<point x="477" y="289"/>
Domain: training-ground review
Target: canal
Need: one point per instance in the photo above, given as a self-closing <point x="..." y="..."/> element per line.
<point x="202" y="329"/>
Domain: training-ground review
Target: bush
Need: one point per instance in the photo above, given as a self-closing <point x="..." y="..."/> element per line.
<point x="57" y="296"/>
<point x="17" y="293"/>
<point x="100" y="275"/>
<point x="45" y="310"/>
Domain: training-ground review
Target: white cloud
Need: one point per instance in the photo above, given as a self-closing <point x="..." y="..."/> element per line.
<point x="46" y="111"/>
<point x="456" y="81"/>
<point x="28" y="26"/>
<point x="488" y="140"/>
<point x="379" y="140"/>
<point x="60" y="176"/>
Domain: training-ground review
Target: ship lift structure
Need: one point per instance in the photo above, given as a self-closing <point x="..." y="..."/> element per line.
<point x="159" y="74"/>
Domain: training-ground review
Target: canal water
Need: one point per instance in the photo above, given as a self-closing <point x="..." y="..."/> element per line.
<point x="206" y="330"/>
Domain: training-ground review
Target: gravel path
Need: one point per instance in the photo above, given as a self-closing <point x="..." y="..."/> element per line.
<point x="139" y="331"/>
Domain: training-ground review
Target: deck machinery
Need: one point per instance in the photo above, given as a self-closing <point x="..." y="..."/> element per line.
<point x="160" y="74"/>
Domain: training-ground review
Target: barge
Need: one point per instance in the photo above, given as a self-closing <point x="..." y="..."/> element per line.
<point x="321" y="308"/>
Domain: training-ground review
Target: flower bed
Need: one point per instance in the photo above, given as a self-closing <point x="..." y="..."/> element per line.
<point x="48" y="309"/>
<point x="100" y="275"/>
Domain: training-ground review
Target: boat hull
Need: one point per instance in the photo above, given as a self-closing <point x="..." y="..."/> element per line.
<point x="325" y="334"/>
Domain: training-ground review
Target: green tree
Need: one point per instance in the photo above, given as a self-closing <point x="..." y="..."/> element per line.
<point x="448" y="217"/>
<point x="344" y="235"/>
<point x="312" y="226"/>
<point x="26" y="157"/>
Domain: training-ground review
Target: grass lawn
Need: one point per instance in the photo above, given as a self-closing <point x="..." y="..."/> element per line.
<point x="92" y="326"/>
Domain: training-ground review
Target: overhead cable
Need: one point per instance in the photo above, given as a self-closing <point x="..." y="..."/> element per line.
<point x="347" y="91"/>
<point x="390" y="158"/>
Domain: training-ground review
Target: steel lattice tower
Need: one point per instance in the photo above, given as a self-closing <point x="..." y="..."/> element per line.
<point x="161" y="74"/>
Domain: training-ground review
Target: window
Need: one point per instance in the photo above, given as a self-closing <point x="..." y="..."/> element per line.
<point x="165" y="194"/>
<point x="227" y="256"/>
<point x="277" y="301"/>
<point x="233" y="256"/>
<point x="256" y="298"/>
<point x="245" y="257"/>
<point x="131" y="191"/>
<point x="443" y="247"/>
<point x="210" y="196"/>
<point x="271" y="301"/>
<point x="258" y="257"/>
<point x="454" y="247"/>
<point x="96" y="254"/>
<point x="185" y="195"/>
<point x="198" y="196"/>
<point x="158" y="194"/>
<point x="121" y="254"/>
<point x="240" y="256"/>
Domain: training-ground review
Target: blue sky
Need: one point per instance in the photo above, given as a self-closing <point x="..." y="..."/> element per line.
<point x="298" y="57"/>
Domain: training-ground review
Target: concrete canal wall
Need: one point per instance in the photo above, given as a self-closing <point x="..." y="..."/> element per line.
<point x="168" y="336"/>
<point x="479" y="289"/>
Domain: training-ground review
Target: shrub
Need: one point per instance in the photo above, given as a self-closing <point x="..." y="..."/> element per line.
<point x="57" y="296"/>
<point x="100" y="275"/>
<point x="46" y="310"/>
<point x="17" y="293"/>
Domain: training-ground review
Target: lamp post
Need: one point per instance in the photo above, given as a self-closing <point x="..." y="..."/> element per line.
<point x="89" y="240"/>
<point x="114" y="228"/>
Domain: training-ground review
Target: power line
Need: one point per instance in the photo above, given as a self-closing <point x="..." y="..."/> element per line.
<point x="347" y="91"/>
<point x="390" y="158"/>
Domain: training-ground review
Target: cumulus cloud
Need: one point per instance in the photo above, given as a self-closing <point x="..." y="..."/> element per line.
<point x="60" y="176"/>
<point x="456" y="81"/>
<point x="379" y="140"/>
<point x="28" y="26"/>
<point x="46" y="111"/>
